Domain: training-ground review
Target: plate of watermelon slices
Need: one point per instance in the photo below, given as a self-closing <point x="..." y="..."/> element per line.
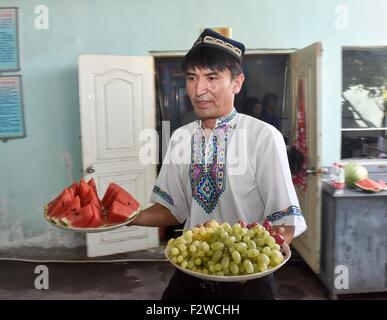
<point x="79" y="209"/>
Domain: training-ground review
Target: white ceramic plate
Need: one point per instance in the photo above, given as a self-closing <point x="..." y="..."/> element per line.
<point x="285" y="250"/>
<point x="93" y="230"/>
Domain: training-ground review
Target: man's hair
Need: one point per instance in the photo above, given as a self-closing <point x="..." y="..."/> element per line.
<point x="213" y="59"/>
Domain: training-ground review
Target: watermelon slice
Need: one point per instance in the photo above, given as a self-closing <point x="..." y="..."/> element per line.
<point x="72" y="207"/>
<point x="84" y="189"/>
<point x="91" y="198"/>
<point x="52" y="203"/>
<point x="119" y="213"/>
<point x="80" y="219"/>
<point x="60" y="204"/>
<point x="112" y="191"/>
<point x="74" y="188"/>
<point x="370" y="185"/>
<point x="127" y="200"/>
<point x="98" y="219"/>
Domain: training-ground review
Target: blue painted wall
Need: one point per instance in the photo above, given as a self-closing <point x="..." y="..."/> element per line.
<point x="34" y="169"/>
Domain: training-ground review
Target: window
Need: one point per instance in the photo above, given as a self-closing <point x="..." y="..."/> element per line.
<point x="364" y="103"/>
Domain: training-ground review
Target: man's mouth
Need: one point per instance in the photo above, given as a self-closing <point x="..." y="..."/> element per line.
<point x="203" y="103"/>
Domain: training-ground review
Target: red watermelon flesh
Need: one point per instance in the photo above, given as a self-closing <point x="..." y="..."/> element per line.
<point x="84" y="189"/>
<point x="60" y="204"/>
<point x="74" y="187"/>
<point x="52" y="203"/>
<point x="127" y="200"/>
<point x="92" y="185"/>
<point x="119" y="213"/>
<point x="80" y="219"/>
<point x="112" y="194"/>
<point x="369" y="185"/>
<point x="72" y="207"/>
<point x="90" y="198"/>
<point x="98" y="219"/>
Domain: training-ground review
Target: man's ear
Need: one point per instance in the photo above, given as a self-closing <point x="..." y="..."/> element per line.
<point x="238" y="82"/>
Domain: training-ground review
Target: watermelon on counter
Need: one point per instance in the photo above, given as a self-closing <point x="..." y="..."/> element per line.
<point x="371" y="185"/>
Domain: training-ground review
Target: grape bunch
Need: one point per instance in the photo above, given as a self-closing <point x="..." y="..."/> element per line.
<point x="225" y="250"/>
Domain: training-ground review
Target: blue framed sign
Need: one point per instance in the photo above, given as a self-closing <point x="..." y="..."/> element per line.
<point x="11" y="108"/>
<point x="9" y="48"/>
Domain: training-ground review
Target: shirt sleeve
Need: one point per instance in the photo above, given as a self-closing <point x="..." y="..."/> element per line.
<point x="275" y="182"/>
<point x="168" y="189"/>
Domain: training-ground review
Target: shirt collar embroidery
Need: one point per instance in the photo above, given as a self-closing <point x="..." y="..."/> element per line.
<point x="222" y="120"/>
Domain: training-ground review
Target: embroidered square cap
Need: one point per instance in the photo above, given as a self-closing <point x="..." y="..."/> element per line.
<point x="210" y="38"/>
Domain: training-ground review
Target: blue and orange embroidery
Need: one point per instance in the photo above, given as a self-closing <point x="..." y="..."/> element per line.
<point x="208" y="167"/>
<point x="163" y="194"/>
<point x="290" y="211"/>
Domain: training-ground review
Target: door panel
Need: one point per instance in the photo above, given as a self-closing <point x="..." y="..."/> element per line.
<point x="117" y="101"/>
<point x="305" y="65"/>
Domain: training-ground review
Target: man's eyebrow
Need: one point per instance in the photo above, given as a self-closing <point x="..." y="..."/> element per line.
<point x="211" y="73"/>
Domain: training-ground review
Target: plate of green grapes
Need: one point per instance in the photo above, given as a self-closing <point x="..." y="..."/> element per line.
<point x="225" y="253"/>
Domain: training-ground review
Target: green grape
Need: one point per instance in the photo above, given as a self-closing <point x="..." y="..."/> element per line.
<point x="196" y="243"/>
<point x="234" y="268"/>
<point x="265" y="234"/>
<point x="252" y="245"/>
<point x="236" y="256"/>
<point x="218" y="267"/>
<point x="217" y="256"/>
<point x="270" y="241"/>
<point x="242" y="232"/>
<point x="193" y="248"/>
<point x="250" y="233"/>
<point x="226" y="227"/>
<point x="170" y="242"/>
<point x="217" y="246"/>
<point x="179" y="259"/>
<point x="238" y="238"/>
<point x="225" y="262"/>
<point x="205" y="247"/>
<point x="226" y="271"/>
<point x="241" y="268"/>
<point x="262" y="267"/>
<point x="205" y="271"/>
<point x="253" y="253"/>
<point x="230" y="240"/>
<point x="184" y="264"/>
<point x="263" y="258"/>
<point x="184" y="254"/>
<point x="174" y="259"/>
<point x="182" y="247"/>
<point x="275" y="247"/>
<point x="175" y="251"/>
<point x="260" y="242"/>
<point x="188" y="234"/>
<point x="190" y="264"/>
<point x="246" y="239"/>
<point x="220" y="273"/>
<point x="211" y="268"/>
<point x="200" y="253"/>
<point x="198" y="261"/>
<point x="267" y="251"/>
<point x="248" y="266"/>
<point x="241" y="247"/>
<point x="276" y="257"/>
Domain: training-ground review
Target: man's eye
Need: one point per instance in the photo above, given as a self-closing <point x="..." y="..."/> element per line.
<point x="212" y="78"/>
<point x="190" y="78"/>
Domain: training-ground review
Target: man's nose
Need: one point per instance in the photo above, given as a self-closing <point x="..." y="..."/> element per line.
<point x="201" y="87"/>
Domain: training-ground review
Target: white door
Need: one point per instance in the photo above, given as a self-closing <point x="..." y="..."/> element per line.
<point x="117" y="101"/>
<point x="305" y="65"/>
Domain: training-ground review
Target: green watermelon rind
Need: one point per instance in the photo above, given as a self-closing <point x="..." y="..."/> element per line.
<point x="354" y="173"/>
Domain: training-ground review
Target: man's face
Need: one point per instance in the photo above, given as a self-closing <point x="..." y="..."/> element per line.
<point x="212" y="92"/>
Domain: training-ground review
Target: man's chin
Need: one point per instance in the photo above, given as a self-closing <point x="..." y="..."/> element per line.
<point x="205" y="114"/>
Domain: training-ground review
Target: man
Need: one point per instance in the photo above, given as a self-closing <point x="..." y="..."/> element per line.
<point x="237" y="167"/>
